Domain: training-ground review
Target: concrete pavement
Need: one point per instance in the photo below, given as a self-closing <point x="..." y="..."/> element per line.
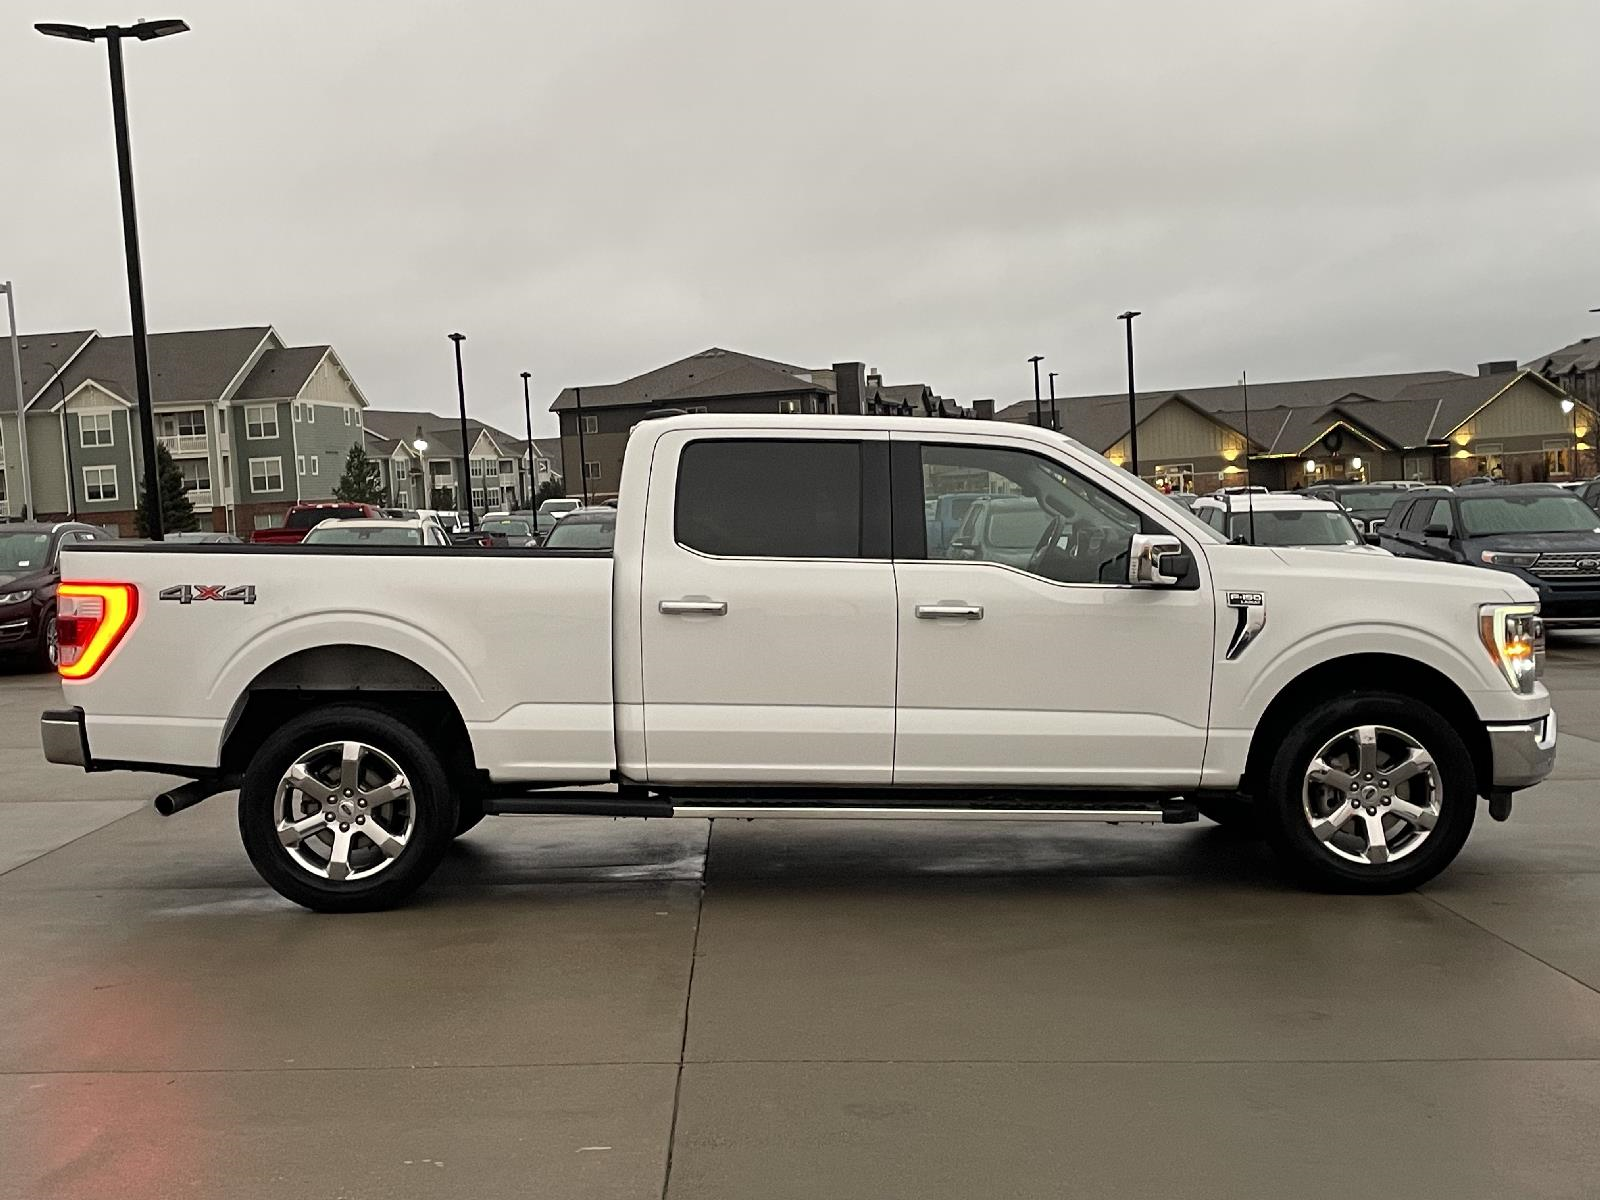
<point x="772" y="1009"/>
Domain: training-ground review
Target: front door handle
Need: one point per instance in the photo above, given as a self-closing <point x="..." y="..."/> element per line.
<point x="704" y="608"/>
<point x="949" y="612"/>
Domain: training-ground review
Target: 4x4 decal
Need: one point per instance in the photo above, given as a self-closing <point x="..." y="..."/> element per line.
<point x="189" y="593"/>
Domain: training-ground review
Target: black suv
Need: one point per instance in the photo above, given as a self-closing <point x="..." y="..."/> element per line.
<point x="30" y="569"/>
<point x="1542" y="534"/>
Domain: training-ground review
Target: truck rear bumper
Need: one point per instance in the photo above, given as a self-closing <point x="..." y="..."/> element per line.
<point x="65" y="739"/>
<point x="1522" y="753"/>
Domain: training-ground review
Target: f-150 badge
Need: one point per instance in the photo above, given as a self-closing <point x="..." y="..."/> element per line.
<point x="1252" y="608"/>
<point x="191" y="593"/>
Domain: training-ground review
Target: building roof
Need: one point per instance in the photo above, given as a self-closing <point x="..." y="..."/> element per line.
<point x="280" y="374"/>
<point x="43" y="354"/>
<point x="443" y="433"/>
<point x="1582" y="355"/>
<point x="191" y="365"/>
<point x="712" y="372"/>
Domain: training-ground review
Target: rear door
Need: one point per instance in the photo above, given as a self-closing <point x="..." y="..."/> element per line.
<point x="1056" y="672"/>
<point x="767" y="610"/>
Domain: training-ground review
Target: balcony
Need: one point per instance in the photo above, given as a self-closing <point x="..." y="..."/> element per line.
<point x="180" y="444"/>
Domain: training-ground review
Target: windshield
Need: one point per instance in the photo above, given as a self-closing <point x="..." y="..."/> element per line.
<point x="583" y="535"/>
<point x="367" y="535"/>
<point x="20" y="552"/>
<point x="508" y="528"/>
<point x="307" y="518"/>
<point x="1548" y="513"/>
<point x="558" y="506"/>
<point x="1368" y="502"/>
<point x="1305" y="527"/>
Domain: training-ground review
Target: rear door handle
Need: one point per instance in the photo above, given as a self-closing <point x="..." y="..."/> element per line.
<point x="704" y="608"/>
<point x="950" y="612"/>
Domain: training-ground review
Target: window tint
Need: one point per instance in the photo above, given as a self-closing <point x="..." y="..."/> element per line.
<point x="770" y="499"/>
<point x="1080" y="534"/>
<point x="1400" y="515"/>
<point x="1438" y="513"/>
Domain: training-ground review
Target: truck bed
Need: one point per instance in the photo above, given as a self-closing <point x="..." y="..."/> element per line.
<point x="519" y="638"/>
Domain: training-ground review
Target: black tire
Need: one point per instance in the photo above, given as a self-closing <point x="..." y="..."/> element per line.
<point x="1236" y="814"/>
<point x="1314" y="864"/>
<point x="434" y="809"/>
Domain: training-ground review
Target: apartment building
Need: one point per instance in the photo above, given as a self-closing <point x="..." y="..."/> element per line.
<point x="419" y="453"/>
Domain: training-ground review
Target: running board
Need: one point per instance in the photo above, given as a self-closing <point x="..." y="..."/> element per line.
<point x="639" y="803"/>
<point x="1114" y="816"/>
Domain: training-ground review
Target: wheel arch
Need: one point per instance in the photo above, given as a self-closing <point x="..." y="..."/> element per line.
<point x="345" y="674"/>
<point x="1376" y="672"/>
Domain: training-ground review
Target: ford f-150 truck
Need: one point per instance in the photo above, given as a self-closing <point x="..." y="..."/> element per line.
<point x="772" y="638"/>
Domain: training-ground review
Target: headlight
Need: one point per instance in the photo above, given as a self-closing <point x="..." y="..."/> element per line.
<point x="1500" y="558"/>
<point x="1514" y="636"/>
<point x="15" y="597"/>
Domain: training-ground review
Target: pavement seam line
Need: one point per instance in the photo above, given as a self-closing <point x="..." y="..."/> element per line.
<point x="688" y="999"/>
<point x="72" y="842"/>
<point x="1588" y="987"/>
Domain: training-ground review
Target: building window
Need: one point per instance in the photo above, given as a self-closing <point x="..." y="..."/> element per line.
<point x="788" y="406"/>
<point x="358" y="418"/>
<point x="296" y="409"/>
<point x="222" y="420"/>
<point x="266" y="474"/>
<point x="480" y="498"/>
<point x="442" y="468"/>
<point x="196" y="474"/>
<point x="347" y="416"/>
<point x="260" y="421"/>
<point x="591" y="470"/>
<point x="316" y="465"/>
<point x="507" y="466"/>
<point x="311" y="414"/>
<point x="1177" y="477"/>
<point x="94" y="429"/>
<point x="591" y="424"/>
<point x="300" y="464"/>
<point x="1557" y="459"/>
<point x="99" y="483"/>
<point x="1489" y="460"/>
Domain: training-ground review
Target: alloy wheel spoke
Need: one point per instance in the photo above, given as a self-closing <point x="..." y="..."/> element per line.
<point x="1326" y="827"/>
<point x="1320" y="772"/>
<point x="396" y="789"/>
<point x="339" y="854"/>
<point x="1367" y="747"/>
<point x="292" y="833"/>
<point x="390" y="843"/>
<point x="1417" y="762"/>
<point x="1420" y="815"/>
<point x="304" y="782"/>
<point x="1377" y="839"/>
<point x="350" y="766"/>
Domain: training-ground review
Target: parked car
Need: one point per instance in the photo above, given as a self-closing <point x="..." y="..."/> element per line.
<point x="1000" y="529"/>
<point x="30" y="569"/>
<point x="771" y="639"/>
<point x="302" y="518"/>
<point x="945" y="517"/>
<point x="584" y="529"/>
<point x="401" y="514"/>
<point x="1544" y="536"/>
<point x="552" y="510"/>
<point x="202" y="537"/>
<point x="1475" y="480"/>
<point x="379" y="531"/>
<point x="1589" y="493"/>
<point x="510" y="531"/>
<point x="1283" y="519"/>
<point x="1367" y="503"/>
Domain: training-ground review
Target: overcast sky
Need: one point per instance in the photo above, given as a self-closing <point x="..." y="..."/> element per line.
<point x="589" y="188"/>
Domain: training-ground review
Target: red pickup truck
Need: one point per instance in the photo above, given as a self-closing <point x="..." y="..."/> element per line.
<point x="303" y="518"/>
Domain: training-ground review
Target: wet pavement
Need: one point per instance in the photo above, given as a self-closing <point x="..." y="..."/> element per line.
<point x="810" y="1009"/>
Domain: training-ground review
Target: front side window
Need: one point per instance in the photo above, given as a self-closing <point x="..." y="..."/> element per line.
<point x="1438" y="516"/>
<point x="99" y="483"/>
<point x="770" y="498"/>
<point x="260" y="421"/>
<point x="1081" y="533"/>
<point x="94" y="429"/>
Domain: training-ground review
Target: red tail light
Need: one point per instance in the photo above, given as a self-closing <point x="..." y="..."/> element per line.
<point x="90" y="620"/>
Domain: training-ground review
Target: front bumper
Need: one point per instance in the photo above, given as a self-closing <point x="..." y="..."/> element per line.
<point x="1522" y="753"/>
<point x="65" y="739"/>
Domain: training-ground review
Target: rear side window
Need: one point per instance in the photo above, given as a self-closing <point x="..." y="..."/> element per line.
<point x="770" y="498"/>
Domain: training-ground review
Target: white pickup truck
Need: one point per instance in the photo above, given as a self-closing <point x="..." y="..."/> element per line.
<point x="771" y="638"/>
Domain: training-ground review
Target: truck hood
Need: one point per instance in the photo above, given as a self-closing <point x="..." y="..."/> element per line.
<point x="1354" y="582"/>
<point x="1577" y="541"/>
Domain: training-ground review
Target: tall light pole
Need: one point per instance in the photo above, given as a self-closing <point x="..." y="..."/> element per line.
<point x="1133" y="416"/>
<point x="22" y="416"/>
<point x="466" y="450"/>
<point x="583" y="467"/>
<point x="144" y="31"/>
<point x="527" y="417"/>
<point x="1055" y="419"/>
<point x="1038" y="401"/>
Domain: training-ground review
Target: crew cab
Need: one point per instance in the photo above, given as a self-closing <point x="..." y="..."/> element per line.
<point x="301" y="519"/>
<point x="772" y="637"/>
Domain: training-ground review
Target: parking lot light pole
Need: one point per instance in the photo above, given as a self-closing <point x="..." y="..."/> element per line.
<point x="466" y="450"/>
<point x="1038" y="401"/>
<point x="1055" y="419"/>
<point x="583" y="467"/>
<point x="527" y="417"/>
<point x="1133" y="416"/>
<point x="113" y="35"/>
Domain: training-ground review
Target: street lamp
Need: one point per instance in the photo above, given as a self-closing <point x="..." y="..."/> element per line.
<point x="583" y="466"/>
<point x="527" y="416"/>
<point x="1055" y="419"/>
<point x="1133" y="416"/>
<point x="466" y="450"/>
<point x="143" y="31"/>
<point x="1038" y="403"/>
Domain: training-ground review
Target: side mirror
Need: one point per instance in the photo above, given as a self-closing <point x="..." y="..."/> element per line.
<point x="1372" y="539"/>
<point x="1435" y="531"/>
<point x="1155" y="560"/>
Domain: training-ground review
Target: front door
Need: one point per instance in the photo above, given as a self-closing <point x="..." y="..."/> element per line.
<point x="767" y="616"/>
<point x="1055" y="671"/>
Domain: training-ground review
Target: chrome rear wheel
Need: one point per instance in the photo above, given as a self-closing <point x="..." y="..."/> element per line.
<point x="344" y="811"/>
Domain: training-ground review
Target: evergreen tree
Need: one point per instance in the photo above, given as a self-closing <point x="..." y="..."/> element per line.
<point x="550" y="489"/>
<point x="362" y="482"/>
<point x="177" y="513"/>
<point x="443" y="499"/>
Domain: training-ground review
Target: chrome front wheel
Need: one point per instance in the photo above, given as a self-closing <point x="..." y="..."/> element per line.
<point x="1372" y="794"/>
<point x="344" y="811"/>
